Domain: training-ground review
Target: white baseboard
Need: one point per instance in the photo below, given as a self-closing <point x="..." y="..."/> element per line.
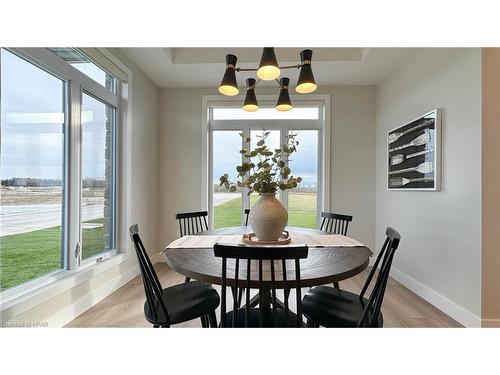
<point x="461" y="315"/>
<point x="67" y="314"/>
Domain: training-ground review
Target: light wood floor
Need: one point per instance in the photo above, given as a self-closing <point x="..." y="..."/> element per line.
<point x="124" y="308"/>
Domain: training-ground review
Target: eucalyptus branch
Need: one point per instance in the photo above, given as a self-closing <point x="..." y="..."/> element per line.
<point x="271" y="171"/>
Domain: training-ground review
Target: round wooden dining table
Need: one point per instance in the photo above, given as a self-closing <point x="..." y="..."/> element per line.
<point x="324" y="265"/>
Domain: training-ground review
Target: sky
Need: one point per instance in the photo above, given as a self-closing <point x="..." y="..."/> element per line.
<point x="32" y="116"/>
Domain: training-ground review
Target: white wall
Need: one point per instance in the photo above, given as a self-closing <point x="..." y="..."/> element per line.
<point x="440" y="251"/>
<point x="352" y="168"/>
<point x="63" y="303"/>
<point x="145" y="127"/>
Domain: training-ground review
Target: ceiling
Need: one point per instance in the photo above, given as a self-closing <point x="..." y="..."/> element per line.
<point x="204" y="67"/>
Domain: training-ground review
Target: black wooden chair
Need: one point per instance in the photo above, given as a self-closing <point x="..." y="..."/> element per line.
<point x="176" y="304"/>
<point x="247" y="214"/>
<point x="271" y="259"/>
<point x="335" y="223"/>
<point x="331" y="307"/>
<point x="192" y="223"/>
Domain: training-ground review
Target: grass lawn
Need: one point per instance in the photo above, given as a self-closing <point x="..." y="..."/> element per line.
<point x="27" y="256"/>
<point x="93" y="241"/>
<point x="301" y="211"/>
<point x="228" y="214"/>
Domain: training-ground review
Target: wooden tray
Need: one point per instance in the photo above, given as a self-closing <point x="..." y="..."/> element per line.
<point x="252" y="239"/>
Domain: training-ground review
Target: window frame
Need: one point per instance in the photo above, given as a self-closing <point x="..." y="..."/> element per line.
<point x="322" y="124"/>
<point x="76" y="83"/>
<point x="109" y="253"/>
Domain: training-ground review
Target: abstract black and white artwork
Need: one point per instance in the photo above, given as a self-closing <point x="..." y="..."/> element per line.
<point x="414" y="159"/>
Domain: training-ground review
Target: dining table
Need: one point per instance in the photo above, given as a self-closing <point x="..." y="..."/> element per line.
<point x="323" y="265"/>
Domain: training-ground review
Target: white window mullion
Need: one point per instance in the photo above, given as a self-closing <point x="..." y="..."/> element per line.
<point x="283" y="195"/>
<point x="210" y="179"/>
<point x="320" y="204"/>
<point x="74" y="180"/>
<point x="245" y="203"/>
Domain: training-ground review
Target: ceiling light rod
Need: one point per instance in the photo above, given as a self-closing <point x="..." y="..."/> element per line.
<point x="256" y="83"/>
<point x="297" y="66"/>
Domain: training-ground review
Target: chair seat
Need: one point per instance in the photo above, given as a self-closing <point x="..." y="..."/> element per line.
<point x="268" y="318"/>
<point x="184" y="302"/>
<point x="332" y="307"/>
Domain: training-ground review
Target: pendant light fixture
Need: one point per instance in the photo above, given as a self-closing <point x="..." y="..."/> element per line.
<point x="268" y="67"/>
<point x="284" y="102"/>
<point x="306" y="83"/>
<point x="250" y="104"/>
<point x="268" y="70"/>
<point x="228" y="85"/>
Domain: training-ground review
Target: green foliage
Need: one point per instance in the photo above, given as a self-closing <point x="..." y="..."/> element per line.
<point x="269" y="172"/>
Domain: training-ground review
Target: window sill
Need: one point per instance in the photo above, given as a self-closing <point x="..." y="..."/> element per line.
<point x="16" y="302"/>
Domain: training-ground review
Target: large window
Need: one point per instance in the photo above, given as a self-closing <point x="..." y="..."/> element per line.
<point x="32" y="171"/>
<point x="58" y="167"/>
<point x="225" y="123"/>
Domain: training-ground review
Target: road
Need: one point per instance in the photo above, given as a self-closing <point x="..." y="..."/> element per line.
<point x="27" y="218"/>
<point x="220" y="198"/>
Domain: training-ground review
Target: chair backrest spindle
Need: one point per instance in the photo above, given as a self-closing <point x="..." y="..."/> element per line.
<point x="247" y="294"/>
<point x="223" y="292"/>
<point x="235" y="294"/>
<point x="247" y="214"/>
<point x="261" y="294"/>
<point x="273" y="291"/>
<point x="286" y="292"/>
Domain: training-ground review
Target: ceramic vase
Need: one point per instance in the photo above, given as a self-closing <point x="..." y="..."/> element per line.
<point x="268" y="217"/>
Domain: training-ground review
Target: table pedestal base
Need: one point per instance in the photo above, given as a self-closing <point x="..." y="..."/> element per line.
<point x="264" y="302"/>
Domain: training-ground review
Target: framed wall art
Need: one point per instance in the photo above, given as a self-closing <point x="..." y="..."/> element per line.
<point x="414" y="154"/>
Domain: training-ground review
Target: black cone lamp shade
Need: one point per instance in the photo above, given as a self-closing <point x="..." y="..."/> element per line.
<point x="228" y="85"/>
<point x="284" y="103"/>
<point x="250" y="104"/>
<point x="306" y="83"/>
<point x="268" y="67"/>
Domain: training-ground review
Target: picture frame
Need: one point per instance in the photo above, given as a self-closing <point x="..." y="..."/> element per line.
<point x="414" y="154"/>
